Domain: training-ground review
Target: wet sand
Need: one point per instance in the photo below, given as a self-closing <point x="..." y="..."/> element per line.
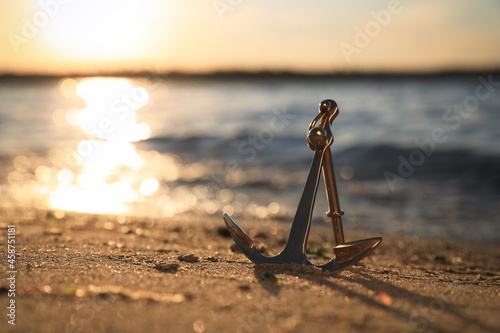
<point x="96" y="273"/>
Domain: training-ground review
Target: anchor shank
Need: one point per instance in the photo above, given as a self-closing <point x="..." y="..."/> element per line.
<point x="335" y="212"/>
<point x="302" y="221"/>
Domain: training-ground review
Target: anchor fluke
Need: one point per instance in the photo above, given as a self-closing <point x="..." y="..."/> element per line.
<point x="353" y="252"/>
<point x="238" y="235"/>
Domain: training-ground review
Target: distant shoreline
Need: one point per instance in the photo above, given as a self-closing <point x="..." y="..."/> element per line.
<point x="257" y="75"/>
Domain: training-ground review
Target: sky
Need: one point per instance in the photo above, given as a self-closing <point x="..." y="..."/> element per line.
<point x="89" y="36"/>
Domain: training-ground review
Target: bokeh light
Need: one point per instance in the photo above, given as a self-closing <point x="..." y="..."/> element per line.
<point x="107" y="177"/>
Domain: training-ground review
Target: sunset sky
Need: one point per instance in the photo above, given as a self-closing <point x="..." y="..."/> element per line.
<point x="72" y="36"/>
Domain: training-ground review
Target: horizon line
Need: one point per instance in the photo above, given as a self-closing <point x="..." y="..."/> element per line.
<point x="257" y="73"/>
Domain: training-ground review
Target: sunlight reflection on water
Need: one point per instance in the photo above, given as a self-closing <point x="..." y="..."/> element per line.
<point x="108" y="177"/>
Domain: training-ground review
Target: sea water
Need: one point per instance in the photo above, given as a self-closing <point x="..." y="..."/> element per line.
<point x="413" y="155"/>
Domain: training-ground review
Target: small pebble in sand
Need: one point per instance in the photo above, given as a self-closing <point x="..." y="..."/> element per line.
<point x="262" y="248"/>
<point x="223" y="232"/>
<point x="235" y="248"/>
<point x="167" y="267"/>
<point x="188" y="257"/>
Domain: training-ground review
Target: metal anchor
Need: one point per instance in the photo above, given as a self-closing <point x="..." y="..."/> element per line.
<point x="319" y="139"/>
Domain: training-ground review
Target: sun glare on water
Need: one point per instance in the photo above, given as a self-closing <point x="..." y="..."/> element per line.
<point x="102" y="171"/>
<point x="108" y="177"/>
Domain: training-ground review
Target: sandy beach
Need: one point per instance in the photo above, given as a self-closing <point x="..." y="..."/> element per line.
<point x="98" y="273"/>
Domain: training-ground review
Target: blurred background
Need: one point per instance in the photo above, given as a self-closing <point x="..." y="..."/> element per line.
<point x="171" y="109"/>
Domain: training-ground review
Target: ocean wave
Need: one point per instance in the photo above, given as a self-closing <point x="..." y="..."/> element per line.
<point x="368" y="162"/>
